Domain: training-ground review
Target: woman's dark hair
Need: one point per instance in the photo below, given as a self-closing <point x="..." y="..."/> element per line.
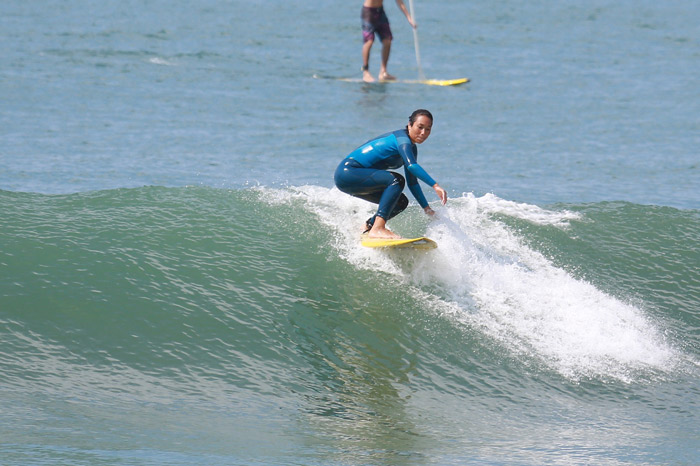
<point x="421" y="111"/>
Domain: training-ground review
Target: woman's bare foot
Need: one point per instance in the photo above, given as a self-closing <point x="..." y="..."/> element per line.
<point x="384" y="76"/>
<point x="382" y="233"/>
<point x="367" y="77"/>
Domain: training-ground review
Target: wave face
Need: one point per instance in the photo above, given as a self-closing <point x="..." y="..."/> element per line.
<point x="250" y="325"/>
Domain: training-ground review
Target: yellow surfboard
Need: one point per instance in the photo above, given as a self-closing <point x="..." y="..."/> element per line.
<point x="413" y="243"/>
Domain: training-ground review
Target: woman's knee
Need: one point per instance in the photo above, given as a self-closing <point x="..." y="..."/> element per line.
<point x="398" y="178"/>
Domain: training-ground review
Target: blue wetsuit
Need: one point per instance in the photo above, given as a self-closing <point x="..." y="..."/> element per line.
<point x="364" y="174"/>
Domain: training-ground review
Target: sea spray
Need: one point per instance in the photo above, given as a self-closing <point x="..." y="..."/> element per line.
<point x="498" y="284"/>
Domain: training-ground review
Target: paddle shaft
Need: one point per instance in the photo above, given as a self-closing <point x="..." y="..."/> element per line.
<point x="421" y="76"/>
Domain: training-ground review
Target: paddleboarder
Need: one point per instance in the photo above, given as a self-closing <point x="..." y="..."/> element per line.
<point x="375" y="21"/>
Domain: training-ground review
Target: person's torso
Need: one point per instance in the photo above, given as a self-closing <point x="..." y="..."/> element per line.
<point x="373" y="3"/>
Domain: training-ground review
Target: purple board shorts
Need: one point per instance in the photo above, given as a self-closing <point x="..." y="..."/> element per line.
<point x="374" y="20"/>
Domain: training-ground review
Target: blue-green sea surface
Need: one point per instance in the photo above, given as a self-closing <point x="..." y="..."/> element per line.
<point x="181" y="284"/>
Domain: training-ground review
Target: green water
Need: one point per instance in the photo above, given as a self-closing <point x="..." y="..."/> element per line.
<point x="172" y="326"/>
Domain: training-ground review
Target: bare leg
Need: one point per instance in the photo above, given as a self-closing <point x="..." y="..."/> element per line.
<point x="366" y="75"/>
<point x="379" y="230"/>
<point x="386" y="50"/>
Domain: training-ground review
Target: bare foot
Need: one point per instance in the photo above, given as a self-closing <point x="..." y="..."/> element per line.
<point x="382" y="233"/>
<point x="367" y="77"/>
<point x="384" y="76"/>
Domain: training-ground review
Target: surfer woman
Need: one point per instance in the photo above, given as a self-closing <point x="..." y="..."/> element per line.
<point x="364" y="173"/>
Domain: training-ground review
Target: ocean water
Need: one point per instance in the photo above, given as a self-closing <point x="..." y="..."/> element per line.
<point x="181" y="284"/>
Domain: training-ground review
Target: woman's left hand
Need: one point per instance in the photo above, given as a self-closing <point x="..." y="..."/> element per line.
<point x="442" y="194"/>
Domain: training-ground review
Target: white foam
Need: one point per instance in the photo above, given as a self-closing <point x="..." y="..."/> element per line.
<point x="345" y="216"/>
<point x="532" y="213"/>
<point x="160" y="61"/>
<point x="488" y="279"/>
<point x="518" y="297"/>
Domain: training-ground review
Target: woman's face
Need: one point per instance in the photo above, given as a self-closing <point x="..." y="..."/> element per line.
<point x="420" y="129"/>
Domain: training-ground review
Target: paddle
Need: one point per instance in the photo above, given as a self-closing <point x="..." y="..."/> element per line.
<point x="421" y="76"/>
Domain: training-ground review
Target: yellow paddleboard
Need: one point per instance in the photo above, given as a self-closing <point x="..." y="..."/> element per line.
<point x="429" y="82"/>
<point x="438" y="82"/>
<point x="413" y="243"/>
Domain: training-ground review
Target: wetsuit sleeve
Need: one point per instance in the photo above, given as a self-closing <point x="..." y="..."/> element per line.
<point x="417" y="171"/>
<point x="409" y="160"/>
<point x="418" y="194"/>
<point x="414" y="172"/>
